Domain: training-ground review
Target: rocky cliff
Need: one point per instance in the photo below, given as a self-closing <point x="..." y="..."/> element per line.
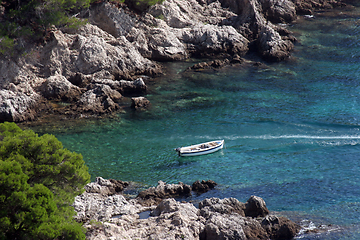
<point x="94" y="67"/>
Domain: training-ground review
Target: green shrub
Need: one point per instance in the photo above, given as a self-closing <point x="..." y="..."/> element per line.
<point x="38" y="182"/>
<point x="6" y="45"/>
<point x="31" y="19"/>
<point x="142" y="5"/>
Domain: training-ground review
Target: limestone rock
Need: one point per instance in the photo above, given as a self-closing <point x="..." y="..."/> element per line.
<point x="224" y="227"/>
<point x="94" y="206"/>
<point x="279" y="11"/>
<point x="280" y="227"/>
<point x="59" y="88"/>
<point x="131" y="87"/>
<point x="271" y="45"/>
<point x="19" y="103"/>
<point x="91" y="50"/>
<point x="256" y="207"/>
<point x="252" y="23"/>
<point x="222" y="206"/>
<point x="154" y="195"/>
<point x="99" y="99"/>
<point x="308" y="6"/>
<point x="207" y="39"/>
<point x="203" y="186"/>
<point x="215" y="64"/>
<point x="119" y="45"/>
<point x="170" y="219"/>
<point x="137" y="86"/>
<point x="106" y="187"/>
<point x="140" y="103"/>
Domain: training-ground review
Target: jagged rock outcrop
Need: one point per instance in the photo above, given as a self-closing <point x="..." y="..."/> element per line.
<point x="92" y="50"/>
<point x="279" y="227"/>
<point x="154" y="195"/>
<point x="57" y="87"/>
<point x="18" y="104"/>
<point x="203" y="186"/>
<point x="279" y="11"/>
<point x="120" y="218"/>
<point x="256" y="206"/>
<point x="124" y="87"/>
<point x="106" y="187"/>
<point x="99" y="99"/>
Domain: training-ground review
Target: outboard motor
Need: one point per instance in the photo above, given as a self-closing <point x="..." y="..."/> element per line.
<point x="178" y="150"/>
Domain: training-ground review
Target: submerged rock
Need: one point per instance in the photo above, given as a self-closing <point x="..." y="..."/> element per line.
<point x="140" y="103"/>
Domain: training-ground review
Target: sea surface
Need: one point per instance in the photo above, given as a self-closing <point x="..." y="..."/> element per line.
<point x="291" y="129"/>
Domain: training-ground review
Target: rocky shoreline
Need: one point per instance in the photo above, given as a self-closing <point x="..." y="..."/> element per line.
<point x="88" y="72"/>
<point x="155" y="214"/>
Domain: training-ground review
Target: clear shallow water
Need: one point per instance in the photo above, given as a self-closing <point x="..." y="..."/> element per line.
<point x="291" y="129"/>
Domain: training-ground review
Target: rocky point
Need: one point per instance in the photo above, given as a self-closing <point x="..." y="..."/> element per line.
<point x="155" y="214"/>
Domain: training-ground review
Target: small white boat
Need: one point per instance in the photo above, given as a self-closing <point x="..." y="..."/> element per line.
<point x="200" y="149"/>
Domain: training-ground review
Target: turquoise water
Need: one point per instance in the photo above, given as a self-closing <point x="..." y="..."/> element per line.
<point x="291" y="129"/>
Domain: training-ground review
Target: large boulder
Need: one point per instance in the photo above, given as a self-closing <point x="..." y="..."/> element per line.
<point x="106" y="187"/>
<point x="18" y="104"/>
<point x="232" y="226"/>
<point x="125" y="87"/>
<point x="203" y="186"/>
<point x="271" y="45"/>
<point x="154" y="195"/>
<point x="91" y="50"/>
<point x="222" y="206"/>
<point x="94" y="206"/>
<point x="99" y="99"/>
<point x="256" y="207"/>
<point x="279" y="11"/>
<point x="59" y="88"/>
<point x="273" y="42"/>
<point x="157" y="43"/>
<point x="184" y="14"/>
<point x="208" y="39"/>
<point x="280" y="227"/>
<point x="18" y="99"/>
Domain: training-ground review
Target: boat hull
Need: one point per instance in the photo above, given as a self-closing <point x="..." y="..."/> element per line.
<point x="196" y="150"/>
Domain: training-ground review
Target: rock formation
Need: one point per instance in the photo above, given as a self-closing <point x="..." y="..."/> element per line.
<point x="93" y="67"/>
<point x="109" y="215"/>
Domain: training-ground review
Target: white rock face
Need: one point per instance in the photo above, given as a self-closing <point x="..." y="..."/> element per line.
<point x="117" y="44"/>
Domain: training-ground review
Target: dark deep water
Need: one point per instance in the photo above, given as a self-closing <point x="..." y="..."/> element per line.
<point x="291" y="130"/>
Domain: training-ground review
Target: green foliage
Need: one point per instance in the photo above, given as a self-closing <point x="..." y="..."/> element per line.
<point x="142" y="5"/>
<point x="38" y="182"/>
<point x="6" y="45"/>
<point x="31" y="19"/>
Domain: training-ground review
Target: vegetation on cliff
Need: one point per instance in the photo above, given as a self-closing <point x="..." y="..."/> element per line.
<point x="30" y="20"/>
<point x="23" y="21"/>
<point x="39" y="180"/>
